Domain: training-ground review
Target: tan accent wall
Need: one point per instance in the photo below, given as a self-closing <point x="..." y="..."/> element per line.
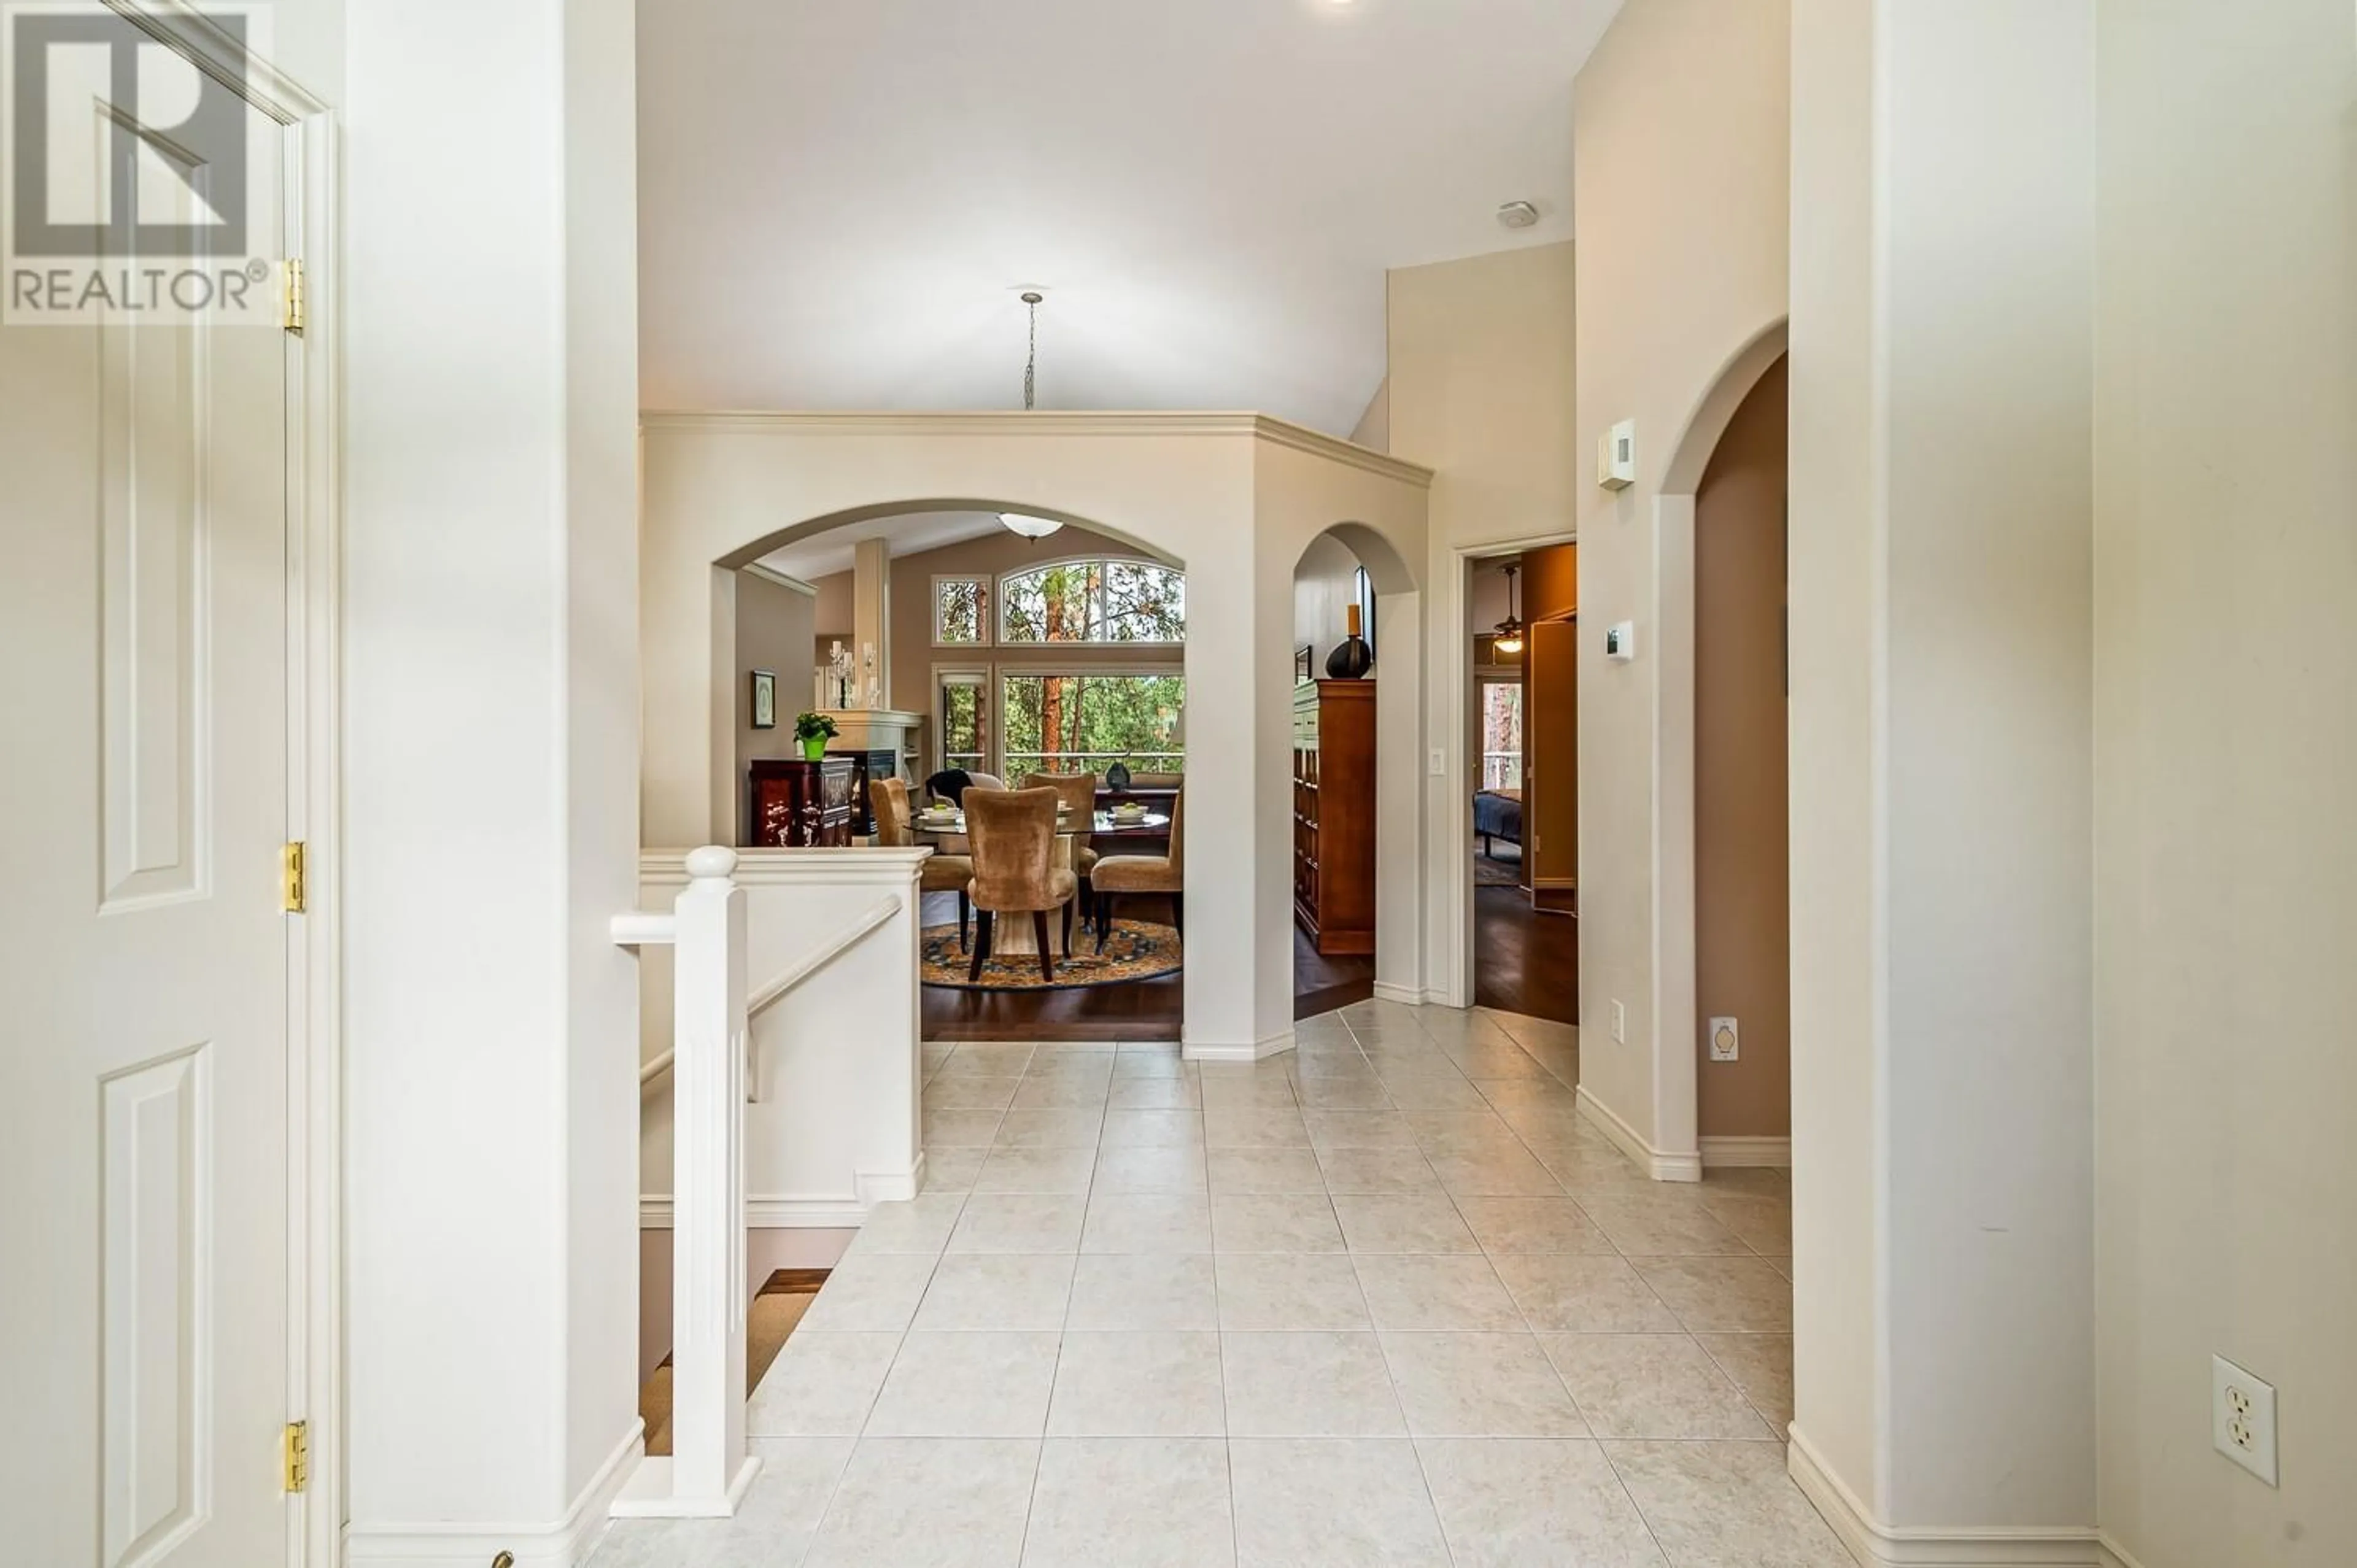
<point x="831" y="615"/>
<point x="2225" y="660"/>
<point x="1742" y="910"/>
<point x="773" y="632"/>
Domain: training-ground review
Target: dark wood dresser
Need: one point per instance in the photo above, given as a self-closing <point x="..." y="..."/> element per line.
<point x="1334" y="815"/>
<point x="804" y="805"/>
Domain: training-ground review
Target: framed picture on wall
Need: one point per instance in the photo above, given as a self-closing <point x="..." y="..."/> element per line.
<point x="1302" y="666"/>
<point x="765" y="699"/>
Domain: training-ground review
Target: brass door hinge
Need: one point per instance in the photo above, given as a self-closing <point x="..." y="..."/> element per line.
<point x="298" y="1456"/>
<point x="296" y="305"/>
<point x="292" y="879"/>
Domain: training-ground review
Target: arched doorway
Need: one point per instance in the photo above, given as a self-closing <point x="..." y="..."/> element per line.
<point x="952" y="646"/>
<point x="1681" y="1047"/>
<point x="1351" y="778"/>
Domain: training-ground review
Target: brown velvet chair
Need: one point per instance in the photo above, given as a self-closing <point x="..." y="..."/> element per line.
<point x="941" y="872"/>
<point x="1078" y="794"/>
<point x="1014" y="836"/>
<point x="1118" y="875"/>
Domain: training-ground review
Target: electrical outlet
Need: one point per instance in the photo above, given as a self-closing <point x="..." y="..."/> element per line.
<point x="1619" y="1025"/>
<point x="1726" y="1044"/>
<point x="2243" y="1418"/>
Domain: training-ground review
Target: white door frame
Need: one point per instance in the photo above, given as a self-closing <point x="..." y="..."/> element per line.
<point x="1453" y="722"/>
<point x="315" y="679"/>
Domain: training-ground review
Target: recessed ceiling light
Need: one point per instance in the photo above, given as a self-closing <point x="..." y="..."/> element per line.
<point x="1518" y="215"/>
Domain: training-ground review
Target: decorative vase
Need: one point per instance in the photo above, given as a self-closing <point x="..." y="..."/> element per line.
<point x="1351" y="657"/>
<point x="814" y="749"/>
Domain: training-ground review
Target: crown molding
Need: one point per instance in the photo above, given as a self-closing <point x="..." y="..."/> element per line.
<point x="782" y="579"/>
<point x="1334" y="450"/>
<point x="1004" y="423"/>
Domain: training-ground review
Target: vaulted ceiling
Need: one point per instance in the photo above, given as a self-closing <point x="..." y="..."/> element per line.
<point x="840" y="202"/>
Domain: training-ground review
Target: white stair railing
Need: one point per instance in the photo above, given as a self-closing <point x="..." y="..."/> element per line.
<point x="709" y="1466"/>
<point x="771" y="994"/>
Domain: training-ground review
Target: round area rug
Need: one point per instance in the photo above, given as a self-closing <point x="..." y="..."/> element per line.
<point x="1137" y="949"/>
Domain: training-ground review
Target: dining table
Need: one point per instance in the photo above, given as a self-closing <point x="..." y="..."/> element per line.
<point x="1013" y="937"/>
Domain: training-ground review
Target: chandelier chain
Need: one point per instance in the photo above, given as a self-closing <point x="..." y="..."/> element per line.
<point x="1031" y="365"/>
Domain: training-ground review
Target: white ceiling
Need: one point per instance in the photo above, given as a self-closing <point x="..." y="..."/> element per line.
<point x="824" y="554"/>
<point x="840" y="201"/>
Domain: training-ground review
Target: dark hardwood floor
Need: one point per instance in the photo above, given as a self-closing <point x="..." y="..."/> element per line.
<point x="1523" y="961"/>
<point x="1328" y="984"/>
<point x="1141" y="1010"/>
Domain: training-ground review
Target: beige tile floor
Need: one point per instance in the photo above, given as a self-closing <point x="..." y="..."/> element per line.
<point x="1384" y="1302"/>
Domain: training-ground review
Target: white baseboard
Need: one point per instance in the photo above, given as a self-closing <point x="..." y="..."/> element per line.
<point x="648" y="1493"/>
<point x="566" y="1543"/>
<point x="771" y="1213"/>
<point x="1733" y="1152"/>
<point x="1881" y="1546"/>
<point x="1281" y="1041"/>
<point x="1659" y="1164"/>
<point x="891" y="1186"/>
<point x="1405" y="995"/>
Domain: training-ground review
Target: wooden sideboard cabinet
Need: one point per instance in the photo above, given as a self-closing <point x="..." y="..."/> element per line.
<point x="804" y="805"/>
<point x="1334" y="815"/>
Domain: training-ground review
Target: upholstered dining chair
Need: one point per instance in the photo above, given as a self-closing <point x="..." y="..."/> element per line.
<point x="1078" y="794"/>
<point x="1013" y="832"/>
<point x="1122" y="875"/>
<point x="941" y="872"/>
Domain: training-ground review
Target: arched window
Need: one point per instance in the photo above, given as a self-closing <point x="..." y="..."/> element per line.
<point x="1096" y="601"/>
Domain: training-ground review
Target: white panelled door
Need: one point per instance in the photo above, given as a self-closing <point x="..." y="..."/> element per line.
<point x="147" y="1252"/>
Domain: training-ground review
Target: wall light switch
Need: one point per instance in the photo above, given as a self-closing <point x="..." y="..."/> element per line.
<point x="1620" y="642"/>
<point x="1619" y="1025"/>
<point x="1439" y="762"/>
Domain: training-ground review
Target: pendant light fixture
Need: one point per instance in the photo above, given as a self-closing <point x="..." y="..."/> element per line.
<point x="1029" y="527"/>
<point x="1510" y="630"/>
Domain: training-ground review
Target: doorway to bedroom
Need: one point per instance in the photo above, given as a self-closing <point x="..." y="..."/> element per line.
<point x="1523" y="617"/>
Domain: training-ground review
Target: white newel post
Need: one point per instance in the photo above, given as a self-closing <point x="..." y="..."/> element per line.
<point x="709" y="1468"/>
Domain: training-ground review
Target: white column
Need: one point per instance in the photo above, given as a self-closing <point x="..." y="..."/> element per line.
<point x="489" y="772"/>
<point x="1941" y="717"/>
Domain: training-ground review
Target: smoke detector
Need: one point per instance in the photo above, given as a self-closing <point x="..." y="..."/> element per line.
<point x="1517" y="215"/>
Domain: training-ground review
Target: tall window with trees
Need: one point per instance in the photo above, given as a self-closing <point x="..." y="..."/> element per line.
<point x="1072" y="723"/>
<point x="1094" y="601"/>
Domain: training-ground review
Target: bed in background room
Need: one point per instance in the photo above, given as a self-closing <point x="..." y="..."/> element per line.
<point x="1497" y="814"/>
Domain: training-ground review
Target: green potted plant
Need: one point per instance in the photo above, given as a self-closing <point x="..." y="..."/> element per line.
<point x="814" y="730"/>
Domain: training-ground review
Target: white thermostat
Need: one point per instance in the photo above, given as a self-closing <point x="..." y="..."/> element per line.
<point x="1615" y="456"/>
<point x="1620" y="642"/>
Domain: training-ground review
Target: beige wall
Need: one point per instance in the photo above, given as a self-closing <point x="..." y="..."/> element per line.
<point x="1481" y="391"/>
<point x="2226" y="744"/>
<point x="773" y="632"/>
<point x="1681" y="164"/>
<point x="1374" y="427"/>
<point x="992" y="556"/>
<point x="1325" y="585"/>
<point x="1235" y="497"/>
<point x="1742" y="931"/>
